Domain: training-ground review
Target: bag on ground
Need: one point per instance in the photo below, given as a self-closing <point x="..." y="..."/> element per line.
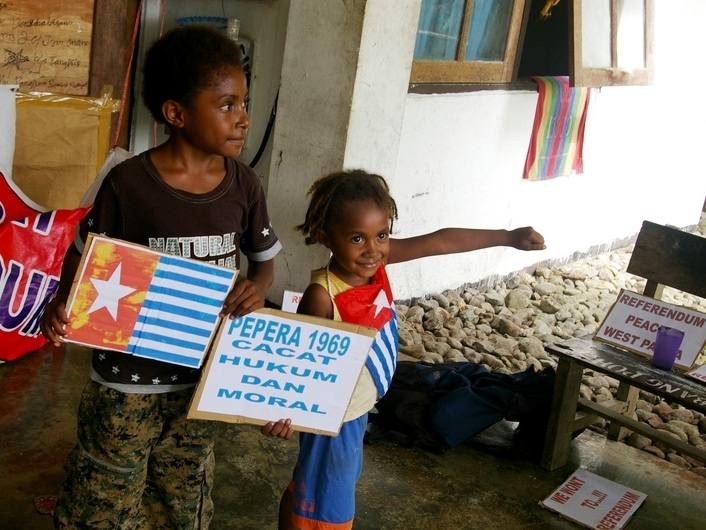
<point x="439" y="406"/>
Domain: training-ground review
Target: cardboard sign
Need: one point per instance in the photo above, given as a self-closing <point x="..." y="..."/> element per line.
<point x="633" y="321"/>
<point x="594" y="501"/>
<point x="290" y="301"/>
<point x="135" y="300"/>
<point x="270" y="365"/>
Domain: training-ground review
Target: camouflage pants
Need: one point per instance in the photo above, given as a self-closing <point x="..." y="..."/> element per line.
<point x="138" y="464"/>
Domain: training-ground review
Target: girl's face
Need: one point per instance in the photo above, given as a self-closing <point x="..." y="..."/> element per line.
<point x="216" y="121"/>
<point x="359" y="241"/>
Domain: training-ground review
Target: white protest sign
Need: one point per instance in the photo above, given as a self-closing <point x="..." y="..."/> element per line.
<point x="633" y="321"/>
<point x="594" y="501"/>
<point x="270" y="364"/>
<point x="290" y="301"/>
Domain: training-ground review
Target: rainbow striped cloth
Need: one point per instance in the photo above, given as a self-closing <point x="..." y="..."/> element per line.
<point x="556" y="146"/>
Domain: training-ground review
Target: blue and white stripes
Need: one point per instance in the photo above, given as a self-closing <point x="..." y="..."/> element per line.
<point x="180" y="311"/>
<point x="382" y="358"/>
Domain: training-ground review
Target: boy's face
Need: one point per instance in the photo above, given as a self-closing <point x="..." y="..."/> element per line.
<point x="216" y="121"/>
<point x="359" y="241"/>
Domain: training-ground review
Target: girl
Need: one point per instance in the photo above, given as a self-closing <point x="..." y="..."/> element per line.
<point x="351" y="213"/>
<point x="138" y="462"/>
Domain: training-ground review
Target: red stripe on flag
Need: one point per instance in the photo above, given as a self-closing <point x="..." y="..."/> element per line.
<point x="101" y="261"/>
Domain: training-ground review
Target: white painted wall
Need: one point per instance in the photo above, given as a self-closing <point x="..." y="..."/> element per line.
<point x="318" y="76"/>
<point x="461" y="158"/>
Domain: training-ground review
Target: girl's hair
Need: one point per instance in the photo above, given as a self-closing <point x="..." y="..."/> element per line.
<point x="330" y="193"/>
<point x="183" y="62"/>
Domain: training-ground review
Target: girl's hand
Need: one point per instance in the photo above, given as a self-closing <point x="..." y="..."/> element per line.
<point x="243" y="299"/>
<point x="527" y="238"/>
<point x="281" y="429"/>
<point x="53" y="321"/>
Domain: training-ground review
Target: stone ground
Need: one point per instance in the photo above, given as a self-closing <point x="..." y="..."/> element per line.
<point x="504" y="324"/>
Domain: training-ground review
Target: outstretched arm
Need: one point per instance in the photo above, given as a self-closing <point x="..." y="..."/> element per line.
<point x="454" y="240"/>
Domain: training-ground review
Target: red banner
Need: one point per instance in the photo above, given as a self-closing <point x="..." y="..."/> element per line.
<point x="33" y="243"/>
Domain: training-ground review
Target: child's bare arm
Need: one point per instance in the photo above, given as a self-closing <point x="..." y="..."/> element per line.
<point x="454" y="240"/>
<point x="249" y="295"/>
<point x="54" y="317"/>
<point x="316" y="302"/>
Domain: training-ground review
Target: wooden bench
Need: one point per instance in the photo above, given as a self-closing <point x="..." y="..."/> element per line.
<point x="663" y="256"/>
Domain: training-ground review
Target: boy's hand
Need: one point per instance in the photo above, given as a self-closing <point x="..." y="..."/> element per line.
<point x="527" y="238"/>
<point x="243" y="299"/>
<point x="53" y="321"/>
<point x="281" y="429"/>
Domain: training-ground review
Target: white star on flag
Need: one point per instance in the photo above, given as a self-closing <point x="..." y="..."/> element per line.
<point x="109" y="293"/>
<point x="380" y="302"/>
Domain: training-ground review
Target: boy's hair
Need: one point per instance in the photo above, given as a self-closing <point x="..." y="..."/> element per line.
<point x="183" y="62"/>
<point x="329" y="193"/>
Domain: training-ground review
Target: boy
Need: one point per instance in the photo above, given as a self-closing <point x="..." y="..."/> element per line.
<point x="138" y="462"/>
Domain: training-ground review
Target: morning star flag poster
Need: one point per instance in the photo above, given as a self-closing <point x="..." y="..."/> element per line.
<point x="135" y="300"/>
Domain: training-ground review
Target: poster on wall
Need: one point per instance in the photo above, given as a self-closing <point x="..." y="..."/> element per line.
<point x="46" y="45"/>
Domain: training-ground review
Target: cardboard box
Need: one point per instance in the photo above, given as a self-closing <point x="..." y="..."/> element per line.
<point x="61" y="143"/>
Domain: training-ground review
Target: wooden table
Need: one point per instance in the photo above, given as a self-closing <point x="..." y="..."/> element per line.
<point x="570" y="413"/>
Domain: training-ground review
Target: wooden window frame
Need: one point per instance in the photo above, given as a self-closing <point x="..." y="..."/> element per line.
<point x="460" y="76"/>
<point x="613" y="75"/>
<point x="461" y="71"/>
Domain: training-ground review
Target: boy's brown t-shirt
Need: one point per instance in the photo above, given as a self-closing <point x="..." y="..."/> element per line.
<point x="135" y="205"/>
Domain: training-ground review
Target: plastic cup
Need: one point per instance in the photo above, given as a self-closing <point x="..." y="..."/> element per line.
<point x="666" y="347"/>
